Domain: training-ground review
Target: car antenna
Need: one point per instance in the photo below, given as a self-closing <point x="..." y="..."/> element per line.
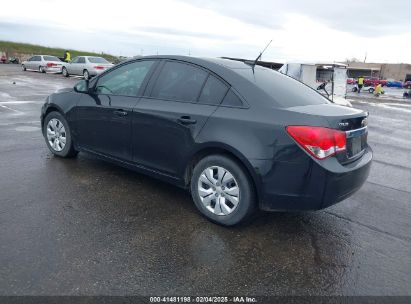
<point x="261" y="53"/>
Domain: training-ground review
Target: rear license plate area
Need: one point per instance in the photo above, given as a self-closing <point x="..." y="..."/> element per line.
<point x="356" y="144"/>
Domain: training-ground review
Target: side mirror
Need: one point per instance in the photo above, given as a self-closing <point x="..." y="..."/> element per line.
<point x="82" y="86"/>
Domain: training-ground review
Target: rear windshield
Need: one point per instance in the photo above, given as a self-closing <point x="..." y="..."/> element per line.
<point x="51" y="58"/>
<point x="285" y="91"/>
<point x="97" y="60"/>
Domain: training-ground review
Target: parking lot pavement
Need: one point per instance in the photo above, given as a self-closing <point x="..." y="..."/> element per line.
<point x="85" y="227"/>
<point x="390" y="94"/>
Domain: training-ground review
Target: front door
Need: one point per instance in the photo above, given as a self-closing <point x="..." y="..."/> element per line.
<point x="35" y="62"/>
<point x="104" y="115"/>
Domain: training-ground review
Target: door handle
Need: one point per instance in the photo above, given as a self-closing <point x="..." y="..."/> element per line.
<point x="186" y="120"/>
<point x="120" y="113"/>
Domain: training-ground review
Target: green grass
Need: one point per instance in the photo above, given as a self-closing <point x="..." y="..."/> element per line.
<point x="16" y="48"/>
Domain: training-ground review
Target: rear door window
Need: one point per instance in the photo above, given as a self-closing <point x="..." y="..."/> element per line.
<point x="179" y="81"/>
<point x="213" y="91"/>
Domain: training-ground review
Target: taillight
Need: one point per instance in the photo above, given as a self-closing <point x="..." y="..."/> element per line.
<point x="318" y="141"/>
<point x="50" y="64"/>
<point x="99" y="67"/>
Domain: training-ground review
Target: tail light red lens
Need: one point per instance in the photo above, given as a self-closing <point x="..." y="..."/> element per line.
<point x="99" y="67"/>
<point x="50" y="64"/>
<point x="318" y="141"/>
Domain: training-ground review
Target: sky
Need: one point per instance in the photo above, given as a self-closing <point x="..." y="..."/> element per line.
<point x="300" y="30"/>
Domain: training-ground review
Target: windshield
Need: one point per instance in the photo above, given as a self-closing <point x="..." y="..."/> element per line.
<point x="51" y="58"/>
<point x="285" y="91"/>
<point x="97" y="60"/>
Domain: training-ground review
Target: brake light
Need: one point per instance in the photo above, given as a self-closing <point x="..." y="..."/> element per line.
<point x="50" y="64"/>
<point x="99" y="67"/>
<point x="318" y="141"/>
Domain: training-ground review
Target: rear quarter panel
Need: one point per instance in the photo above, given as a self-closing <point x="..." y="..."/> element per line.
<point x="259" y="139"/>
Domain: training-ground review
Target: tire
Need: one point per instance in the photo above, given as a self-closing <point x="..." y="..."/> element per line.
<point x="65" y="72"/>
<point x="41" y="69"/>
<point x="371" y="90"/>
<point x="86" y="75"/>
<point x="56" y="146"/>
<point x="213" y="202"/>
<point x="23" y="67"/>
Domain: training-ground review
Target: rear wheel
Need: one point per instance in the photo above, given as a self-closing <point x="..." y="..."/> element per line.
<point x="41" y="69"/>
<point x="86" y="75"/>
<point x="23" y="67"/>
<point x="64" y="72"/>
<point x="58" y="135"/>
<point x="222" y="190"/>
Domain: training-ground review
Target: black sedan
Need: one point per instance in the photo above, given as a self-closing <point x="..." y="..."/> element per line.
<point x="239" y="137"/>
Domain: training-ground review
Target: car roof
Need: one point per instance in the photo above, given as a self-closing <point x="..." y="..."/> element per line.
<point x="205" y="61"/>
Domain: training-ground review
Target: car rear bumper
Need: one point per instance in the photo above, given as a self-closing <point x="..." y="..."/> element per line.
<point x="290" y="186"/>
<point x="95" y="72"/>
<point x="53" y="69"/>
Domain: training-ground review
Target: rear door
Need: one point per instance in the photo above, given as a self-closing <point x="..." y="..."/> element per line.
<point x="169" y="117"/>
<point x="104" y="115"/>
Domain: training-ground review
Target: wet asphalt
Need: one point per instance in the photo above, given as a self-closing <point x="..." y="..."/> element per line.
<point x="85" y="227"/>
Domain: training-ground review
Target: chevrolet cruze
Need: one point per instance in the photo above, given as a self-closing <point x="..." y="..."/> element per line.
<point x="239" y="137"/>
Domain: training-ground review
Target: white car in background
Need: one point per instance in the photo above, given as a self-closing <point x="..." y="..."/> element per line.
<point x="86" y="66"/>
<point x="43" y="64"/>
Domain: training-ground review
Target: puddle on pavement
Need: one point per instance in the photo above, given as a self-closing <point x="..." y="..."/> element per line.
<point x="27" y="129"/>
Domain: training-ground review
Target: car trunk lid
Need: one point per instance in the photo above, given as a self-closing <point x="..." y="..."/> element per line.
<point x="352" y="121"/>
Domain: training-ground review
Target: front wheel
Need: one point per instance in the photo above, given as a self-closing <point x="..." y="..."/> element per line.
<point x="58" y="135"/>
<point x="222" y="190"/>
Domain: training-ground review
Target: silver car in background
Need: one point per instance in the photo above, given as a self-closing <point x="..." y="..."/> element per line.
<point x="43" y="64"/>
<point x="87" y="66"/>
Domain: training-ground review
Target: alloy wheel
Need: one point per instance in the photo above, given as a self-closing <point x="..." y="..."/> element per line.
<point x="56" y="134"/>
<point x="218" y="190"/>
